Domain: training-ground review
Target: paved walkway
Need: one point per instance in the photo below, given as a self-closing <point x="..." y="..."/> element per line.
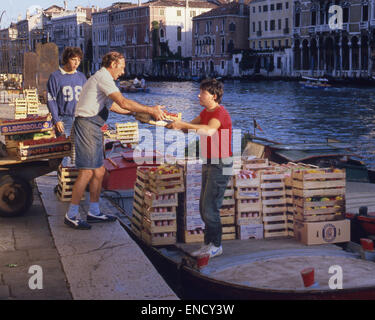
<point x="104" y="262"/>
<point x="26" y="241"/>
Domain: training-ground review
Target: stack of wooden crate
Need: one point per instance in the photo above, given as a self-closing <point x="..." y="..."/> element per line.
<point x="227" y="213"/>
<point x="161" y="196"/>
<point x="32" y="101"/>
<point x="319" y="198"/>
<point x="248" y="205"/>
<point x="127" y="132"/>
<point x="190" y="224"/>
<point x="140" y="186"/>
<point x="20" y="108"/>
<point x="67" y="176"/>
<point x="272" y="184"/>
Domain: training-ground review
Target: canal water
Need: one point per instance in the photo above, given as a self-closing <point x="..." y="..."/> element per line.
<point x="285" y="111"/>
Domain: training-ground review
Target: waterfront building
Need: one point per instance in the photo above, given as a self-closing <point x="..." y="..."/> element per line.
<point x="270" y="36"/>
<point x="219" y="36"/>
<point x="9" y="50"/>
<point x="155" y="37"/>
<point x="346" y="51"/>
<point x="71" y="28"/>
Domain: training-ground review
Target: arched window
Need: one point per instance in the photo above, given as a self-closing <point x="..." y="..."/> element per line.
<point x="232" y="27"/>
<point x="178" y="33"/>
<point x="222" y="45"/>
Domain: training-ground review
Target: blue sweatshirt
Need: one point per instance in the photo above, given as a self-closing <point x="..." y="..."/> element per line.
<point x="63" y="92"/>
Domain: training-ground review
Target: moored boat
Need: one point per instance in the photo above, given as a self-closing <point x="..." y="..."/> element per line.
<point x="315" y="83"/>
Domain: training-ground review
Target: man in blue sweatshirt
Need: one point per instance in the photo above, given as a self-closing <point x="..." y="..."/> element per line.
<point x="64" y="88"/>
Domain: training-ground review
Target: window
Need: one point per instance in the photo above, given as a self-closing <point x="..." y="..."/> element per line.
<point x="232" y="27"/>
<point x="260" y="9"/>
<point x="345" y="15"/>
<point x="162" y="12"/>
<point x="192" y="14"/>
<point x="259" y="44"/>
<point x="272" y="7"/>
<point x="178" y="33"/>
<point x="279" y="6"/>
<point x="265" y="8"/>
<point x="297" y="19"/>
<point x="266" y="44"/>
<point x="286" y="5"/>
<point x="279" y="24"/>
<point x="278" y="62"/>
<point x="272" y="25"/>
<point x="313" y="18"/>
<point x="222" y="65"/>
<point x="222" y="45"/>
<point x="253" y="44"/>
<point x="365" y="13"/>
<point x="265" y="25"/>
<point x="178" y="13"/>
<point x="253" y="9"/>
<point x="279" y="42"/>
<point x="286" y="43"/>
<point x="272" y="43"/>
<point x="253" y="26"/>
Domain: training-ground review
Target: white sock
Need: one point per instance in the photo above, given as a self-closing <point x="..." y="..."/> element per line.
<point x="73" y="211"/>
<point x="94" y="208"/>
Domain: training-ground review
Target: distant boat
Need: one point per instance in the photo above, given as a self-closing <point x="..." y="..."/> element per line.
<point x="130" y="87"/>
<point x="315" y="83"/>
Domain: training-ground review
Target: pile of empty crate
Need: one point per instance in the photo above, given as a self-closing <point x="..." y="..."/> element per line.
<point x="155" y="203"/>
<point x="262" y="200"/>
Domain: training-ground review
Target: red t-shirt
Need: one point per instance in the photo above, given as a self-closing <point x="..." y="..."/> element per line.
<point x="220" y="144"/>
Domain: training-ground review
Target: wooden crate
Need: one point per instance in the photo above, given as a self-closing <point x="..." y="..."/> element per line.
<point x="160" y="213"/>
<point x="247" y="193"/>
<point x="243" y="218"/>
<point x="228" y="220"/>
<point x="228" y="210"/>
<point x="255" y="164"/>
<point x="246" y="183"/>
<point x="155" y="200"/>
<point x="158" y="239"/>
<point x="243" y="206"/>
<point x="273" y="204"/>
<point x="228" y="232"/>
<point x="44" y="150"/>
<point x="310" y="211"/>
<point x="159" y="226"/>
<point x="190" y="236"/>
<point x="321" y="180"/>
<point x="66" y="179"/>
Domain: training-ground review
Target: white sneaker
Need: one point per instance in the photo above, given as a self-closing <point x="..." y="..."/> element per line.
<point x="215" y="251"/>
<point x="203" y="249"/>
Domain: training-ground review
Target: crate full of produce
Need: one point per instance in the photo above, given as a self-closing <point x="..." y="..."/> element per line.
<point x="26" y="125"/>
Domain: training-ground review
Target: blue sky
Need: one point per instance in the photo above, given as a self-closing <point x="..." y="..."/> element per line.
<point x="15" y="7"/>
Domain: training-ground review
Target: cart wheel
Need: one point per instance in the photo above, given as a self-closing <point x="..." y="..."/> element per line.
<point x="16" y="196"/>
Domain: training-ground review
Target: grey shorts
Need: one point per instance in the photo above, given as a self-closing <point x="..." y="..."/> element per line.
<point x="88" y="139"/>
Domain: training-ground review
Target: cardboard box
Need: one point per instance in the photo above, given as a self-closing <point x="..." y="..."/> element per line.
<point x="311" y="233"/>
<point x="250" y="231"/>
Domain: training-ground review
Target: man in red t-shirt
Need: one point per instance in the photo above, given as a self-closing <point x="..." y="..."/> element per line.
<point x="214" y="126"/>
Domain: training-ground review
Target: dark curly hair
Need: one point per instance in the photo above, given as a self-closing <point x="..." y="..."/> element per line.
<point x="213" y="86"/>
<point x="69" y="53"/>
<point x="109" y="57"/>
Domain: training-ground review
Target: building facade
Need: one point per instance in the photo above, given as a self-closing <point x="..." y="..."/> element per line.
<point x="155" y="36"/>
<point x="271" y="35"/>
<point x="340" y="51"/>
<point x="217" y="34"/>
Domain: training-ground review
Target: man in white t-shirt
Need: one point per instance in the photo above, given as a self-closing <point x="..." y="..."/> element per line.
<point x="99" y="95"/>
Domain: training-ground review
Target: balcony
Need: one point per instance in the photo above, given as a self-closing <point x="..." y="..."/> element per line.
<point x="364" y="25"/>
<point x="259" y="33"/>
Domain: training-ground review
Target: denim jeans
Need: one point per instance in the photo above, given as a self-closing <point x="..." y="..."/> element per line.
<point x="214" y="183"/>
<point x="68" y="123"/>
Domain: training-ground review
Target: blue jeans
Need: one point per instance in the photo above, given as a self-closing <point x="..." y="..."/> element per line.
<point x="68" y="123"/>
<point x="214" y="183"/>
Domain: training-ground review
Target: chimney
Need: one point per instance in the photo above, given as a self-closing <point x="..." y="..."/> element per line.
<point x="139" y="3"/>
<point x="65" y="5"/>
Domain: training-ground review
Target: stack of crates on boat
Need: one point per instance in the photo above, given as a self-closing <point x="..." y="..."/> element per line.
<point x="20" y="108"/>
<point x="248" y="205"/>
<point x="32" y="101"/>
<point x="127" y="132"/>
<point x="190" y="224"/>
<point x="140" y="186"/>
<point x="227" y="213"/>
<point x="319" y="199"/>
<point x="272" y="184"/>
<point x="67" y="176"/>
<point x="159" y="225"/>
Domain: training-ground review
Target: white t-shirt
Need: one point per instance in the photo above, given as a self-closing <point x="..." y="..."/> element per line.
<point x="95" y="92"/>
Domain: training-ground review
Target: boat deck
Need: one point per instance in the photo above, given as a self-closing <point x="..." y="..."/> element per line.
<point x="276" y="263"/>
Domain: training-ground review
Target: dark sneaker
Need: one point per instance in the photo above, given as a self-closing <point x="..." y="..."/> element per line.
<point x="100" y="218"/>
<point x="77" y="223"/>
